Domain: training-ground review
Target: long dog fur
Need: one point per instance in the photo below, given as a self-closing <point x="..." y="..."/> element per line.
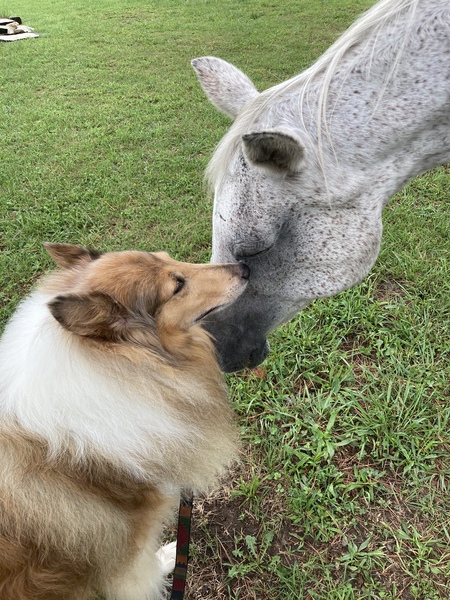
<point x="111" y="404"/>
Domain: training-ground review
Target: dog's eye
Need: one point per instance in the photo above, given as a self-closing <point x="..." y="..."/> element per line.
<point x="179" y="284"/>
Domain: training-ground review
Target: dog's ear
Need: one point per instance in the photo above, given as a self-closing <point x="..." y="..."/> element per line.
<point x="94" y="315"/>
<point x="69" y="255"/>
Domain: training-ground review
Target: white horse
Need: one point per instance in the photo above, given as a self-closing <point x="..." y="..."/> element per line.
<point x="302" y="176"/>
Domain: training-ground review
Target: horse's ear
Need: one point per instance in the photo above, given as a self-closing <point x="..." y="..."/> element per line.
<point x="69" y="255"/>
<point x="275" y="149"/>
<point x="228" y="88"/>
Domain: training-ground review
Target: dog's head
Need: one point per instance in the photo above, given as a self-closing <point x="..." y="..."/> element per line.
<point x="134" y="296"/>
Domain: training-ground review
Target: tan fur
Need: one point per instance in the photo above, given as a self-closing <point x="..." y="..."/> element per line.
<point x="58" y="520"/>
<point x="73" y="522"/>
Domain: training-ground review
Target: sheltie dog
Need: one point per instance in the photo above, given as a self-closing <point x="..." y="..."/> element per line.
<point x="112" y="404"/>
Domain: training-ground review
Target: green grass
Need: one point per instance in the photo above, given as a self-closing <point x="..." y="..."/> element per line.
<point x="343" y="490"/>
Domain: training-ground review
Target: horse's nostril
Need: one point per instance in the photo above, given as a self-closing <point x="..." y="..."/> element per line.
<point x="245" y="271"/>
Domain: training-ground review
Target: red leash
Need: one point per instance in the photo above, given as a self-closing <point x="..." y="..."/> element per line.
<point x="182" y="557"/>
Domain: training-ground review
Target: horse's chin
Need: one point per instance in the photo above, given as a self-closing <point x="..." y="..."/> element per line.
<point x="232" y="360"/>
<point x="257" y="356"/>
<point x="237" y="348"/>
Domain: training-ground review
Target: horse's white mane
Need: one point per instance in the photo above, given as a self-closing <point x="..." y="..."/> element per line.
<point x="365" y="29"/>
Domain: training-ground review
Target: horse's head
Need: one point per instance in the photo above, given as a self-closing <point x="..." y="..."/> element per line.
<point x="303" y="174"/>
<point x="302" y="236"/>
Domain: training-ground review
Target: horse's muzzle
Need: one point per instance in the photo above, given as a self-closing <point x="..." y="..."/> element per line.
<point x="239" y="337"/>
<point x="234" y="358"/>
<point x="258" y="355"/>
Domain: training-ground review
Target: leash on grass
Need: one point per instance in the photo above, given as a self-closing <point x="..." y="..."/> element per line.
<point x="182" y="556"/>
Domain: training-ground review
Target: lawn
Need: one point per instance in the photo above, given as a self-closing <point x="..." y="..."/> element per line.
<point x="342" y="492"/>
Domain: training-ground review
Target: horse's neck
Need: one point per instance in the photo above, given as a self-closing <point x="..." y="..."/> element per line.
<point x="388" y="124"/>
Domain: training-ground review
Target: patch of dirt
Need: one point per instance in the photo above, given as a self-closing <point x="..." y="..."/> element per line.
<point x="222" y="521"/>
<point x="389" y="289"/>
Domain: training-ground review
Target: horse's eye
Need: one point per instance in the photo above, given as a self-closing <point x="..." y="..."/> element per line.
<point x="179" y="284"/>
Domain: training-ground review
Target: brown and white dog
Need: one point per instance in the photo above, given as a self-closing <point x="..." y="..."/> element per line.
<point x="112" y="403"/>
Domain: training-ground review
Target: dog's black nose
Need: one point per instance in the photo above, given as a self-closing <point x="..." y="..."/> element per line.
<point x="245" y="271"/>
